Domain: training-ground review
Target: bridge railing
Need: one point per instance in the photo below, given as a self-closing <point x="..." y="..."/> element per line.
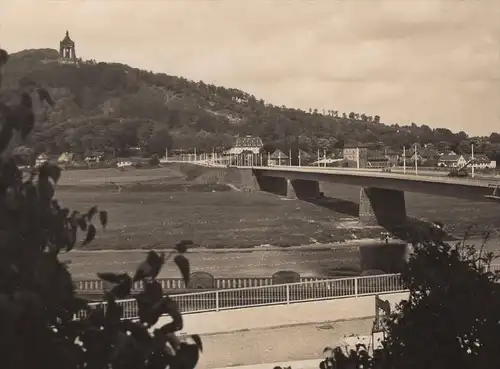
<point x="274" y="294"/>
<point x="289" y="293"/>
<point x="423" y="175"/>
<point x="495" y="268"/>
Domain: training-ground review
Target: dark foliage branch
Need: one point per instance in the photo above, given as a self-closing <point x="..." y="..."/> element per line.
<point x="38" y="305"/>
<point x="452" y="316"/>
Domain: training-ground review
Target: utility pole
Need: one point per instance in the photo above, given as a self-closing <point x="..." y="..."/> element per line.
<point x="404" y="159"/>
<point x="416" y="159"/>
<point x="472" y="159"/>
<point x="357" y="158"/>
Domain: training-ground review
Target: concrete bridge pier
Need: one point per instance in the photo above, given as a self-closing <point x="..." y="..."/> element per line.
<point x="291" y="188"/>
<point x="386" y="208"/>
<point x="302" y="189"/>
<point x="383" y="207"/>
<point x="275" y="185"/>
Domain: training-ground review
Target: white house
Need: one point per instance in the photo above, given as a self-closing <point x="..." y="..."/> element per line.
<point x="455" y="161"/>
<point x="94" y="157"/>
<point x="41" y="159"/>
<point x="247" y="143"/>
<point x="124" y="164"/>
<point x="128" y="162"/>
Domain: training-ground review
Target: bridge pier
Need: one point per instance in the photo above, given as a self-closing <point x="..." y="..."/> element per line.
<point x="275" y="185"/>
<point x="382" y="206"/>
<point x="386" y="258"/>
<point x="291" y="188"/>
<point x="302" y="189"/>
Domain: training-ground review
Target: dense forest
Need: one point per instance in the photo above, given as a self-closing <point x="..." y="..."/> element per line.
<point x="110" y="106"/>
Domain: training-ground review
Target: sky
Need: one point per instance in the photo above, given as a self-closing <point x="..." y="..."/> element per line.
<point x="434" y="62"/>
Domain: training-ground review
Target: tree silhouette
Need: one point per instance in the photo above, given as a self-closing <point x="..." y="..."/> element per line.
<point x="38" y="305"/>
<point x="452" y="316"/>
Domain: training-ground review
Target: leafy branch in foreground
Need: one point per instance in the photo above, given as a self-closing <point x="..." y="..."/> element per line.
<point x="38" y="304"/>
<point x="452" y="316"/>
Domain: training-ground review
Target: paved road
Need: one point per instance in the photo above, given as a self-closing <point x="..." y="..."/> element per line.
<point x="285" y="344"/>
<point x="377" y="173"/>
<point x="254" y="263"/>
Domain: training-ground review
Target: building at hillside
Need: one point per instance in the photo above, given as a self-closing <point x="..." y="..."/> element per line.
<point x="377" y="159"/>
<point x="247" y="144"/>
<point x="66" y="158"/>
<point x="350" y="153"/>
<point x="454" y="161"/>
<point x="278" y="158"/>
<point x="67" y="52"/>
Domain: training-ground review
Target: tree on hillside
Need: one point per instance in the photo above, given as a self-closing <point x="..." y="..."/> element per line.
<point x="452" y="316"/>
<point x="159" y="142"/>
<point x="154" y="160"/>
<point x="38" y="305"/>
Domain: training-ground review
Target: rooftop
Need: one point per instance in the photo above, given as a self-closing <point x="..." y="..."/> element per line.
<point x="353" y="145"/>
<point x="67" y="41"/>
<point x="278" y="154"/>
<point x="376" y="155"/>
<point x="248" y="141"/>
<point x="478" y="158"/>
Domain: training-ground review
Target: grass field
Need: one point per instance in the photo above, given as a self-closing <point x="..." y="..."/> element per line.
<point x="213" y="220"/>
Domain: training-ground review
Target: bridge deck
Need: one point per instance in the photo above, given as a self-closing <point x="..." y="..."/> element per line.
<point x="376" y="173"/>
<point x="464" y="188"/>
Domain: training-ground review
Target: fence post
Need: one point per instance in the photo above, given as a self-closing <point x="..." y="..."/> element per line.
<point x="216" y="300"/>
<point x="356" y="286"/>
<point x="287" y="293"/>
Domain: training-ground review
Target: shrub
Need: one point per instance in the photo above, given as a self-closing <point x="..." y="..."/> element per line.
<point x="154" y="160"/>
<point x="37" y="298"/>
<point x="452" y="317"/>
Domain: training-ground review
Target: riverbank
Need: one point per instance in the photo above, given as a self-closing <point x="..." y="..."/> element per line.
<point x="250" y="249"/>
<point x="307" y="260"/>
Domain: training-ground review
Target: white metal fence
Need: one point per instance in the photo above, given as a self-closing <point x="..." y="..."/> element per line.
<point x="275" y="294"/>
<point x="97" y="285"/>
<point x="495" y="268"/>
<point x="289" y="293"/>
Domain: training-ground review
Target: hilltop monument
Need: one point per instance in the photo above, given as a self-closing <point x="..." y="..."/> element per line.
<point x="67" y="50"/>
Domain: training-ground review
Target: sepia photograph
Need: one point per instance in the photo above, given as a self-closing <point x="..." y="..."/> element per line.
<point x="266" y="184"/>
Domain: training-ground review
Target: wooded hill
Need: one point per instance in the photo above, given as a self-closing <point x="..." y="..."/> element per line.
<point x="100" y="106"/>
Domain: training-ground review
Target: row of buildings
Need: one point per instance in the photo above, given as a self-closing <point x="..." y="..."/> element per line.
<point x="248" y="149"/>
<point x="353" y="155"/>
